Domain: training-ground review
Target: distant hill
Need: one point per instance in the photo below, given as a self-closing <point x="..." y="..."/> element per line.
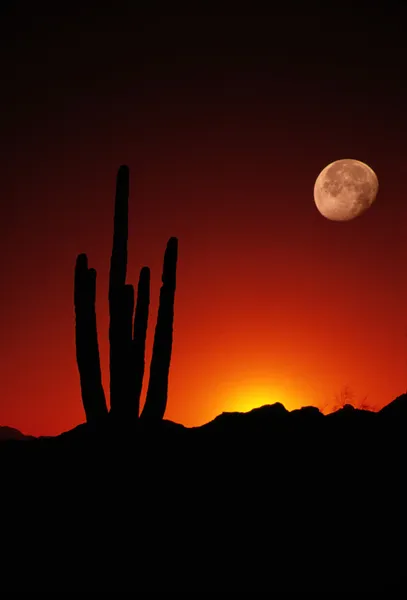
<point x="397" y="409"/>
<point x="10" y="433"/>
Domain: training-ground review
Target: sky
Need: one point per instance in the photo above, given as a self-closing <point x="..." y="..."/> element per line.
<point x="225" y="122"/>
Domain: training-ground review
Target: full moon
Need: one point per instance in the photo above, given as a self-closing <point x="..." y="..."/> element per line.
<point x="345" y="189"/>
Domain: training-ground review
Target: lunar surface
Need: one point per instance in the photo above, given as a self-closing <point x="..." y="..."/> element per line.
<point x="345" y="189"/>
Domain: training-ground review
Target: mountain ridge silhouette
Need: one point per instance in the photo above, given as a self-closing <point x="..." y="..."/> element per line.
<point x="323" y="493"/>
<point x="12" y="433"/>
<point x="396" y="408"/>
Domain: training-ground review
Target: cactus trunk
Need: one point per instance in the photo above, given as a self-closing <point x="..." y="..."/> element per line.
<point x="118" y="302"/>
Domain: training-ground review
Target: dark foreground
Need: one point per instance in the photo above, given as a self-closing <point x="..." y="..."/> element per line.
<point x="267" y="501"/>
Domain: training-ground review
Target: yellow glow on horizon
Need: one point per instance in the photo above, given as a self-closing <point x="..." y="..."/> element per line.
<point x="250" y="396"/>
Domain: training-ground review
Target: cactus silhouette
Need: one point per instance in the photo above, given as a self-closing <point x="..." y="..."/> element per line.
<point x="140" y="334"/>
<point x="156" y="399"/>
<point x="87" y="348"/>
<point x="120" y="301"/>
<point x="127" y="339"/>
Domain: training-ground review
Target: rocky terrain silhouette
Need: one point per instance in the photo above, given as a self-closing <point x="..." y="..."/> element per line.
<point x="268" y="500"/>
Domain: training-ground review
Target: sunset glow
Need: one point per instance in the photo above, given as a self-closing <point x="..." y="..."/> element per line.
<point x="274" y="303"/>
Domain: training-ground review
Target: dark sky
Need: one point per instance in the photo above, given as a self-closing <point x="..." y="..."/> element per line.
<point x="225" y="122"/>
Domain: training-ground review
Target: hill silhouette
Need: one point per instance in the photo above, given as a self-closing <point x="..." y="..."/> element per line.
<point x="264" y="501"/>
<point x="11" y="433"/>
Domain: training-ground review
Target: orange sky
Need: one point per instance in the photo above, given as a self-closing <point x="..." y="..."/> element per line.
<point x="273" y="303"/>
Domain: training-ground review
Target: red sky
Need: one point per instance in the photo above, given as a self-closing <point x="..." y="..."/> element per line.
<point x="225" y="123"/>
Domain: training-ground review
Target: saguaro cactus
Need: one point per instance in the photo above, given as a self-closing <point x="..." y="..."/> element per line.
<point x="127" y="339"/>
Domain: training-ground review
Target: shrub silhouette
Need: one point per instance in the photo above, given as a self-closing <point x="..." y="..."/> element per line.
<point x="127" y="328"/>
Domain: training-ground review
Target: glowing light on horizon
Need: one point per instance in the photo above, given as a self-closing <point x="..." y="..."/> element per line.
<point x="249" y="396"/>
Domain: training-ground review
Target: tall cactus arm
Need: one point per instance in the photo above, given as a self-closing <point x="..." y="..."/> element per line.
<point x="156" y="399"/>
<point x="87" y="347"/>
<point x="128" y="407"/>
<point x="140" y="335"/>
